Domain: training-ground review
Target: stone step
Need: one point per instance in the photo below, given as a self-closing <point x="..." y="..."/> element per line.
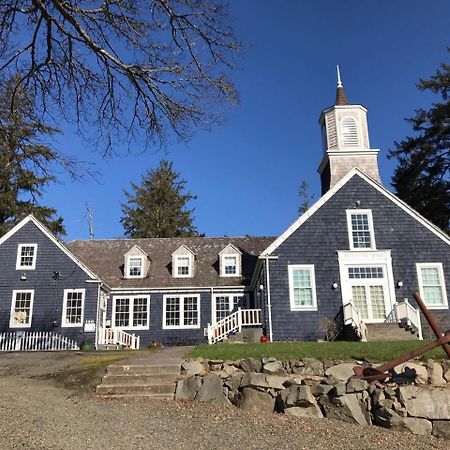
<point x="140" y="396"/>
<point x="136" y="389"/>
<point x="139" y="379"/>
<point x="137" y="369"/>
<point x="389" y="332"/>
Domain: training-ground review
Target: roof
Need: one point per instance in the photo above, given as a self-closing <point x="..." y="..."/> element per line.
<point x="341" y="98"/>
<point x="106" y="257"/>
<point x="329" y="194"/>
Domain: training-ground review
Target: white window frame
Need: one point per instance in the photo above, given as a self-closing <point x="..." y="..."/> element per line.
<point x="223" y="265"/>
<point x="64" y="322"/>
<point x="241" y="296"/>
<point x="291" y="269"/>
<point x="368" y="212"/>
<point x="440" y="268"/>
<point x="190" y="271"/>
<point x="130" y="312"/>
<point x="128" y="267"/>
<point x="19" y="254"/>
<point x="13" y="307"/>
<point x="182" y="326"/>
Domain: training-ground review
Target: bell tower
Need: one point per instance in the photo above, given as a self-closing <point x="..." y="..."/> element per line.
<point x="345" y="141"/>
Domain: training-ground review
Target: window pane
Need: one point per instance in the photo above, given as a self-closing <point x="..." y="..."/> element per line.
<point x="74" y="307"/>
<point x="140" y="310"/>
<point x="360" y="300"/>
<point x="432" y="289"/>
<point x="230" y="265"/>
<point x="365" y="272"/>
<point x="190" y="311"/>
<point x="377" y="301"/>
<point x="22" y="308"/>
<point x="26" y="255"/>
<point x="360" y="231"/>
<point x="173" y="311"/>
<point x="135" y="267"/>
<point x="222" y="307"/>
<point x="430" y="276"/>
<point x="183" y="265"/>
<point x="122" y="318"/>
<point x="302" y="288"/>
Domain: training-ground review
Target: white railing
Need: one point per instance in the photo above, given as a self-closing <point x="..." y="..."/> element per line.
<point x="232" y="323"/>
<point x="20" y="341"/>
<point x="351" y="316"/>
<point x="114" y="336"/>
<point x="404" y="313"/>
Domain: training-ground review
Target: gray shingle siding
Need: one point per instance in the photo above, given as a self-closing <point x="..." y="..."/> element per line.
<point x="48" y="292"/>
<point x="317" y="240"/>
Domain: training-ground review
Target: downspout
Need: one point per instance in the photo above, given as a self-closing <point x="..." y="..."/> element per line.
<point x="97" y="331"/>
<point x="269" y="304"/>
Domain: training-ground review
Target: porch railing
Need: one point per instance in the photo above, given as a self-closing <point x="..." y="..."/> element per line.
<point x="406" y="315"/>
<point x="35" y="341"/>
<point x="232" y="323"/>
<point x="115" y="336"/>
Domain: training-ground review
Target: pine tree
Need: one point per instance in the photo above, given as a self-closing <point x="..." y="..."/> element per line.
<point x="26" y="160"/>
<point x="422" y="177"/>
<point x="305" y="198"/>
<point x="158" y="207"/>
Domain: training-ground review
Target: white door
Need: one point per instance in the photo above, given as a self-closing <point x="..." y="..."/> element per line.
<point x="368" y="289"/>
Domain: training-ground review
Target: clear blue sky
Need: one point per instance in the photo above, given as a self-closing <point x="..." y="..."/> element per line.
<point x="247" y="172"/>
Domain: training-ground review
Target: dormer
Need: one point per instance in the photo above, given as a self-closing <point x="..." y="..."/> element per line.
<point x="345" y="141"/>
<point x="136" y="263"/>
<point x="230" y="261"/>
<point x="183" y="262"/>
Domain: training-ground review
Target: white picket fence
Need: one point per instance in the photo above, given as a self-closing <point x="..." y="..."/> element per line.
<point x="20" y="341"/>
<point x="116" y="336"/>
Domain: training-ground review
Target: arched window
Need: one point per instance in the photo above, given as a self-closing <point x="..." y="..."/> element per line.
<point x="349" y="131"/>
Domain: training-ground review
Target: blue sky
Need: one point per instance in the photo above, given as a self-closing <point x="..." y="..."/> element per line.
<point x="246" y="173"/>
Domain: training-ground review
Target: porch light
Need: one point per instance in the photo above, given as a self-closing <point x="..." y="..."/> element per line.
<point x="400" y="283"/>
<point x="23" y="277"/>
<point x="335" y="285"/>
<point x="261" y="287"/>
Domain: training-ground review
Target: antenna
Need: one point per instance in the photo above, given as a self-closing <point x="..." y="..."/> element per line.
<point x="90" y="219"/>
<point x="339" y="82"/>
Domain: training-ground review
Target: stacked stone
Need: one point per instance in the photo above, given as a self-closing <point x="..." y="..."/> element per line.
<point x="316" y="389"/>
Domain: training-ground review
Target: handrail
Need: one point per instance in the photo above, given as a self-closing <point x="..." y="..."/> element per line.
<point x="119" y="337"/>
<point x="405" y="312"/>
<point x="352" y="317"/>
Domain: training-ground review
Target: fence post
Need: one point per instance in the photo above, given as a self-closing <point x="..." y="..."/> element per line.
<point x="239" y="319"/>
<point x="419" y="325"/>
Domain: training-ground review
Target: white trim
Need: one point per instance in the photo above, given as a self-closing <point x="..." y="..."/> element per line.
<point x="130" y="326"/>
<point x="64" y="311"/>
<point x="181" y="298"/>
<point x="52" y="238"/>
<point x="190" y="266"/>
<point x="440" y="269"/>
<point x="127" y="266"/>
<point x="310" y="268"/>
<point x="179" y="289"/>
<point x="19" y="257"/>
<point x="237" y="258"/>
<point x="13" y="307"/>
<point x="355" y="171"/>
<point x="367" y="212"/>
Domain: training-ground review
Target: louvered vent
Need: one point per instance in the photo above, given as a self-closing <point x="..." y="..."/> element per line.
<point x="349" y="132"/>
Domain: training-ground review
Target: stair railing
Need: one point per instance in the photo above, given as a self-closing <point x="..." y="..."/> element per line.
<point x="115" y="336"/>
<point x="406" y="314"/>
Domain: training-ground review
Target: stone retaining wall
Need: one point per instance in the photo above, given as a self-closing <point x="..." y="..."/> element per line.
<point x="417" y="399"/>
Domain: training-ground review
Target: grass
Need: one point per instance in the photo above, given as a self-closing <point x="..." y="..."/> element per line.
<point x="368" y="351"/>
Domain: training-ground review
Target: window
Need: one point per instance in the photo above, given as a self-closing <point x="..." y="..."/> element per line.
<point x="73" y="308"/>
<point x="349" y="131"/>
<point x="230" y="265"/>
<point x="135" y="266"/>
<point x="183" y="266"/>
<point x="360" y="229"/>
<point x="181" y="311"/>
<point x="365" y="272"/>
<point x="432" y="285"/>
<point x="230" y="261"/>
<point x="131" y="312"/>
<point x="302" y="287"/>
<point x="26" y="257"/>
<point x="225" y="304"/>
<point x="21" y="309"/>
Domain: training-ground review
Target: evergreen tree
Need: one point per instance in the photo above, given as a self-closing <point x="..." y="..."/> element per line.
<point x="422" y="177"/>
<point x="157" y="208"/>
<point x="26" y="160"/>
<point x="305" y="198"/>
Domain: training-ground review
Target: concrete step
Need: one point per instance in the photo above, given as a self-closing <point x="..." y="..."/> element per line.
<point x="136" y="389"/>
<point x="134" y="369"/>
<point x="140" y="396"/>
<point x="139" y="379"/>
<point x="389" y="332"/>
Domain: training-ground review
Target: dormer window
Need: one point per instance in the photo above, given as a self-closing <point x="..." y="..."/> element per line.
<point x="26" y="257"/>
<point x="183" y="262"/>
<point x="360" y="229"/>
<point x="230" y="261"/>
<point x="136" y="263"/>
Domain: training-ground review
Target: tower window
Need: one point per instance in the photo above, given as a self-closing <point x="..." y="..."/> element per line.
<point x="349" y="131"/>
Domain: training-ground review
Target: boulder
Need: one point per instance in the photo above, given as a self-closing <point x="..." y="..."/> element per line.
<point x="257" y="380"/>
<point x="340" y="388"/>
<point x="276" y="381"/>
<point x="420" y="372"/>
<point x="212" y="390"/>
<point x="312" y="367"/>
<point x="311" y="413"/>
<point x="194" y="367"/>
<point x="274" y="368"/>
<point x="233" y="381"/>
<point x="230" y="370"/>
<point x="441" y="429"/>
<point x="342" y="371"/>
<point x="387" y="418"/>
<point x="417" y="426"/>
<point x="346" y="408"/>
<point x="253" y="400"/>
<point x="435" y="373"/>
<point x="447" y="375"/>
<point x="431" y="404"/>
<point x="320" y="389"/>
<point x="187" y="388"/>
<point x="356" y="385"/>
<point x="250" y="365"/>
<point x="295" y="398"/>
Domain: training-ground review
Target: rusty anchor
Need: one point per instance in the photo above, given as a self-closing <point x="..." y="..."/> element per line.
<point x="382" y="372"/>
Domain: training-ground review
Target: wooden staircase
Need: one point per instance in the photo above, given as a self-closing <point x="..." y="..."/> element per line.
<point x="389" y="332"/>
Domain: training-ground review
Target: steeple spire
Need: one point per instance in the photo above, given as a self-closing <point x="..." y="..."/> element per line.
<point x="341" y="99"/>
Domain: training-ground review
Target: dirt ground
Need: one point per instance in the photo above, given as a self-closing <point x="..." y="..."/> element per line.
<point x="47" y="402"/>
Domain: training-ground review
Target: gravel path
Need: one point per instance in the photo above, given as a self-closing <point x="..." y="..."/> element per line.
<point x="34" y="414"/>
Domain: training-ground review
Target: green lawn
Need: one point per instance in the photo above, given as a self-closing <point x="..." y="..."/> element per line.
<point x="369" y="351"/>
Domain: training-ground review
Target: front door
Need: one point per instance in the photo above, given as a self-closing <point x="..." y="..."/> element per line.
<point x="368" y="289"/>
